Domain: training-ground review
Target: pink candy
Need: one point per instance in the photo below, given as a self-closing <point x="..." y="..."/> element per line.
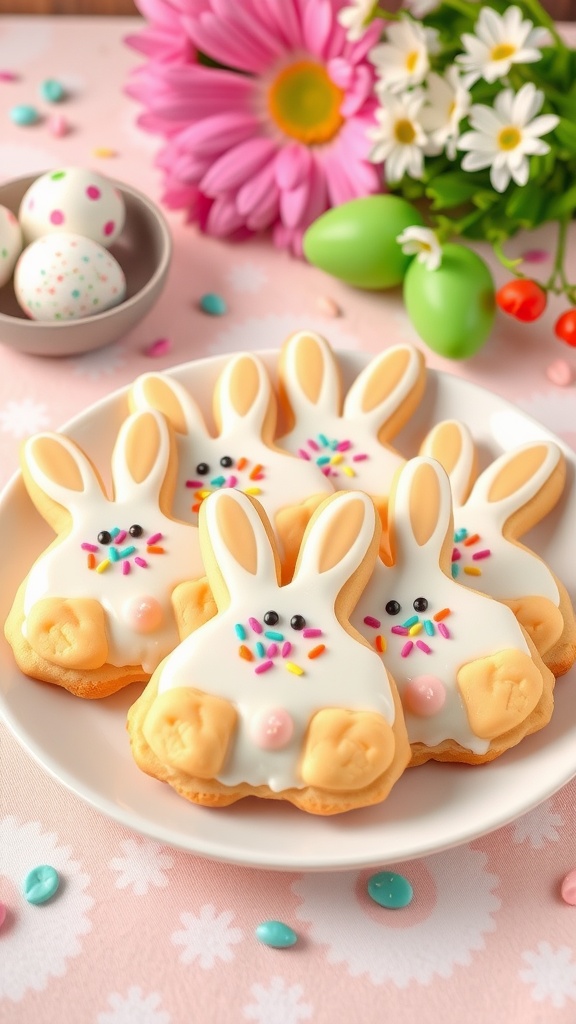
<point x="271" y="729"/>
<point x="424" y="696"/>
<point x="568" y="890"/>
<point x="560" y="373"/>
<point x="143" y="614"/>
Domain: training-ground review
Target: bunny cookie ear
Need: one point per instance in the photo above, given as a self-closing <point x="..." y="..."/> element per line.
<point x="388" y="391"/>
<point x="244" y="397"/>
<point x="55" y="467"/>
<point x="528" y="480"/>
<point x="159" y="391"/>
<point x="309" y="376"/>
<point x="237" y="546"/>
<point x="420" y="513"/>
<point x="451" y="444"/>
<point x="141" y="456"/>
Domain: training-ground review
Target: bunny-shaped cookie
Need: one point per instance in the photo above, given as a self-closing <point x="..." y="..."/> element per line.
<point x="277" y="696"/>
<point x="108" y="599"/>
<point x="471" y="682"/>
<point x="513" y="494"/>
<point x="243" y="455"/>
<point x="349" y="441"/>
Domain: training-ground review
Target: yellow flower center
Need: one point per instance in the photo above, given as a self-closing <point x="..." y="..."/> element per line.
<point x="411" y="60"/>
<point x="509" y="138"/>
<point x="404" y="132"/>
<point x="305" y="104"/>
<point x="502" y="51"/>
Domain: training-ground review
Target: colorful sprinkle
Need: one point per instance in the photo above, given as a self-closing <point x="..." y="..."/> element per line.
<point x="472" y="540"/>
<point x="103" y="565"/>
<point x="294" y="669"/>
<point x="380" y="643"/>
<point x="240" y="631"/>
<point x="429" y="627"/>
<point x="443" y="630"/>
<point x="443" y="614"/>
<point x="91" y="560"/>
<point x="322" y="460"/>
<point x="114" y="532"/>
<point x="245" y="653"/>
<point x="157" y="348"/>
<point x="276" y="934"/>
<point x="472" y="570"/>
<point x="423" y="647"/>
<point x="141" y="562"/>
<point x="310" y="632"/>
<point x="390" y="890"/>
<point x="232" y="481"/>
<point x="260" y="649"/>
<point x="203" y="494"/>
<point x="399" y="630"/>
<point x="286" y="648"/>
<point x="343" y="446"/>
<point x="125" y="568"/>
<point x="126" y="552"/>
<point x="272" y="634"/>
<point x="312" y="444"/>
<point x="272" y="650"/>
<point x="120" y="536"/>
<point x="155" y="549"/>
<point x="194" y="483"/>
<point x="303" y="454"/>
<point x="410" y="622"/>
<point x="336" y="459"/>
<point x="455" y="570"/>
<point x="8" y="76"/>
<point x="415" y="629"/>
<point x="242" y="463"/>
<point x="460" y="535"/>
<point x="254" y="625"/>
<point x="369" y="620"/>
<point x="213" y="304"/>
<point x="104" y="152"/>
<point x="317" y="651"/>
<point x="481" y="554"/>
<point x="568" y="890"/>
<point x="263" y="667"/>
<point x="348" y="471"/>
<point x="114" y="555"/>
<point x="40" y="884"/>
<point x="456" y="555"/>
<point x="254" y="491"/>
<point x="323" y="440"/>
<point x="218" y="481"/>
<point x="359" y="458"/>
<point x="52" y="91"/>
<point x="407" y="648"/>
<point x="155" y="538"/>
<point x="89" y="547"/>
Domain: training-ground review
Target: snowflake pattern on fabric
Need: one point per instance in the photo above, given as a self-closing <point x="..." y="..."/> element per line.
<point x="102" y="362"/>
<point x="208" y="937"/>
<point x="551" y="972"/>
<point x="271" y="330"/>
<point x="247" y="277"/>
<point x="141" y="866"/>
<point x="134" y="1008"/>
<point x="278" y="1004"/>
<point x="41" y="940"/>
<point x="445" y="936"/>
<point x="23" y="417"/>
<point x="539" y="826"/>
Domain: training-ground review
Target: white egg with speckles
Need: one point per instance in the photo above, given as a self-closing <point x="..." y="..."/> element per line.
<point x="67" y="277"/>
<point x="10" y="243"/>
<point x="72" y="199"/>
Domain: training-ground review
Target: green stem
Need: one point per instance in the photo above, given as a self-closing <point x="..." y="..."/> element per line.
<point x="380" y="12"/>
<point x="505" y="260"/>
<point x="463" y="7"/>
<point x="558" y="268"/>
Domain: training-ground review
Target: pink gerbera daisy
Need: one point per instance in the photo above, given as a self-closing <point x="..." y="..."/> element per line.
<point x="276" y="134"/>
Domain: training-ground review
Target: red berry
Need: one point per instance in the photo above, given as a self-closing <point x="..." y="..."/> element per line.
<point x="565" y="327"/>
<point x="522" y="298"/>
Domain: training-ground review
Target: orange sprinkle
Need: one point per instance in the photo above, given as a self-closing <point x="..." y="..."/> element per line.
<point x="442" y="615"/>
<point x="241" y="463"/>
<point x="471" y="570"/>
<point x="257" y="469"/>
<point x="380" y="643"/>
<point x="196" y="508"/>
<point x="471" y="540"/>
<point x="245" y="653"/>
<point x="317" y="651"/>
<point x="155" y="549"/>
<point x="91" y="560"/>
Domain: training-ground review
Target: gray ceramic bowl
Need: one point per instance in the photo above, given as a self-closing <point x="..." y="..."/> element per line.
<point x="143" y="251"/>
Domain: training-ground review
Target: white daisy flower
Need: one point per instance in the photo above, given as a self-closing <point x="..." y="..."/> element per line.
<point x="423" y="243"/>
<point x="356" y="18"/>
<point x="399" y="139"/>
<point x="500" y="41"/>
<point x="506" y="135"/>
<point x="447" y="103"/>
<point x="403" y="60"/>
<point x="420" y="8"/>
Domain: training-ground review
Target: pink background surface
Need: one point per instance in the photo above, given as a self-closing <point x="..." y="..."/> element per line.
<point x="145" y="934"/>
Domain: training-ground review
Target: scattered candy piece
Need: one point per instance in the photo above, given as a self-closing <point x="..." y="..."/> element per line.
<point x="40" y="884"/>
<point x="328" y="306"/>
<point x="8" y="76"/>
<point x="568" y="890"/>
<point x="58" y="126"/>
<point x="390" y="890"/>
<point x="276" y="934"/>
<point x="3" y="912"/>
<point x="560" y="372"/>
<point x="24" y="114"/>
<point x="52" y="91"/>
<point x="158" y="348"/>
<point x="535" y="255"/>
<point x="104" y="152"/>
<point x="213" y="304"/>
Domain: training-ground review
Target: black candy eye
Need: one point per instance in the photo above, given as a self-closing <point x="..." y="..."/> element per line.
<point x="104" y="537"/>
<point x="202" y="468"/>
<point x="297" y="622"/>
<point x="135" y="530"/>
<point x="271" y="618"/>
<point x="226" y="461"/>
<point x="420" y="604"/>
<point x="392" y="607"/>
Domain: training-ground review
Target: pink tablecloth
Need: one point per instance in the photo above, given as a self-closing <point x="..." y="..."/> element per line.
<point x="144" y="934"/>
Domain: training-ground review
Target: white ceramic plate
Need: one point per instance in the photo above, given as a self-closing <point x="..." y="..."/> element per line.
<point x="84" y="744"/>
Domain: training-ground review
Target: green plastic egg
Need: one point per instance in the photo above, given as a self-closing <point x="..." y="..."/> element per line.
<point x="356" y="242"/>
<point x="453" y="307"/>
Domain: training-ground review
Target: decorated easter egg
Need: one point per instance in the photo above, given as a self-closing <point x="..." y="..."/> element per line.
<point x="72" y="199"/>
<point x="10" y="243"/>
<point x="67" y="277"/>
<point x="356" y="241"/>
<point x="452" y="307"/>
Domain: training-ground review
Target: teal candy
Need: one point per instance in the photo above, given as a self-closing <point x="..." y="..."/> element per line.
<point x="356" y="242"/>
<point x="40" y="884"/>
<point x="213" y="304"/>
<point x="390" y="890"/>
<point x="276" y="934"/>
<point x="453" y="307"/>
<point x="24" y="114"/>
<point x="52" y="91"/>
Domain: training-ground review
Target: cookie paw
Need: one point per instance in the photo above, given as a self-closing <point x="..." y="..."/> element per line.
<point x="190" y="730"/>
<point x="541" y="619"/>
<point x="70" y="633"/>
<point x="499" y="692"/>
<point x="346" y="750"/>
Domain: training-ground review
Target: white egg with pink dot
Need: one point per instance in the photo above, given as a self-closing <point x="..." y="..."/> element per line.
<point x="67" y="277"/>
<point x="72" y="199"/>
<point x="10" y="243"/>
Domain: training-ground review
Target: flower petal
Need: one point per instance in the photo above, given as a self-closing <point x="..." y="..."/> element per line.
<point x="237" y="165"/>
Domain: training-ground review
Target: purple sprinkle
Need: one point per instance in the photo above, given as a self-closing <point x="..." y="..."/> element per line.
<point x="400" y="630"/>
<point x="120" y="537"/>
<point x="371" y="621"/>
<point x="325" y="470"/>
<point x="312" y="444"/>
<point x="311" y="632"/>
<point x="423" y="647"/>
<point x="359" y="458"/>
<point x="154" y="538"/>
<point x="272" y="651"/>
<point x="125" y="568"/>
<point x="343" y="446"/>
<point x="456" y="555"/>
<point x="535" y="255"/>
<point x="443" y="630"/>
<point x="232" y="481"/>
<point x="263" y="667"/>
<point x="255" y="625"/>
<point x="89" y="547"/>
<point x="194" y="483"/>
<point x="303" y="454"/>
<point x="481" y="554"/>
<point x="407" y="648"/>
<point x="286" y="648"/>
<point x="141" y="561"/>
<point x="158" y="348"/>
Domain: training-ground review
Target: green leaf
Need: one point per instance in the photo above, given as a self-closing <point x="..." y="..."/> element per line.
<point x="524" y="205"/>
<point x="565" y="133"/>
<point x="561" y="205"/>
<point x="485" y="199"/>
<point x="451" y="189"/>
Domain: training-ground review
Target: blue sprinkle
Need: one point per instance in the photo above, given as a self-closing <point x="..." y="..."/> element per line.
<point x="276" y="934"/>
<point x="115" y="531"/>
<point x="390" y="890"/>
<point x="429" y="627"/>
<point x="52" y="91"/>
<point x="213" y="304"/>
<point x="126" y="552"/>
<point x="323" y="460"/>
<point x="272" y="635"/>
<point x="455" y="569"/>
<point x="260" y="649"/>
<point x="411" y="621"/>
<point x="240" y="631"/>
<point x="113" y="554"/>
<point x="334" y="444"/>
<point x="324" y="440"/>
<point x="24" y="115"/>
<point x="218" y="481"/>
<point x="460" y="535"/>
<point x="40" y="884"/>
